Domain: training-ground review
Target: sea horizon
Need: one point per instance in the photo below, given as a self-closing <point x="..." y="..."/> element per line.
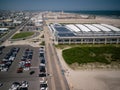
<point x="85" y="12"/>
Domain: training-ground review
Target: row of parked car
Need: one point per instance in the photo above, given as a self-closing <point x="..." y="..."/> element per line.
<point x="42" y="67"/>
<point x="25" y="62"/>
<point x="8" y="59"/>
<point x="19" y="86"/>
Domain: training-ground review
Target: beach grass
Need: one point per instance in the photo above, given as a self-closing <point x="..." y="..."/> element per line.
<point x="83" y="55"/>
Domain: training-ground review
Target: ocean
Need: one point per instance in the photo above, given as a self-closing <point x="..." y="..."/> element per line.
<point x="99" y="13"/>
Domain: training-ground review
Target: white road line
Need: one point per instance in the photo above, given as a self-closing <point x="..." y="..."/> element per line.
<point x="34" y="67"/>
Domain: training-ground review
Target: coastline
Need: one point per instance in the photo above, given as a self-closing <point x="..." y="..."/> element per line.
<point x="115" y="14"/>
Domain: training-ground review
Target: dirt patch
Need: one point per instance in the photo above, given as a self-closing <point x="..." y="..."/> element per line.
<point x="108" y="57"/>
<point x="92" y="54"/>
<point x="92" y="66"/>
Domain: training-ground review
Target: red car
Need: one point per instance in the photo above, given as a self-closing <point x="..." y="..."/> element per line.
<point x="27" y="65"/>
<point x="19" y="70"/>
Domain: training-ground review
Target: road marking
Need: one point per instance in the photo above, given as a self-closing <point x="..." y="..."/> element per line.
<point x="34" y="67"/>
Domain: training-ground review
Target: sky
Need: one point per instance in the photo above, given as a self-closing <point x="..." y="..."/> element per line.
<point x="60" y="4"/>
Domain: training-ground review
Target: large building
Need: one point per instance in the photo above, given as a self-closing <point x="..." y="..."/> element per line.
<point x="85" y="33"/>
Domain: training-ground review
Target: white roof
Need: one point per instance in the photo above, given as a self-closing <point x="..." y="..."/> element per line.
<point x="93" y="28"/>
<point x="102" y="27"/>
<point x="73" y="28"/>
<point x="83" y="28"/>
<point x="2" y="29"/>
<point x="111" y="27"/>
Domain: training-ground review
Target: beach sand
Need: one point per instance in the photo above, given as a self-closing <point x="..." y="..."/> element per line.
<point x="111" y="21"/>
<point x="90" y="79"/>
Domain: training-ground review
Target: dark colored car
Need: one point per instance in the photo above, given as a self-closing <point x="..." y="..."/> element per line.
<point x="1" y="84"/>
<point x="32" y="72"/>
<point x="42" y="61"/>
<point x="42" y="75"/>
<point x="23" y="88"/>
<point x="42" y="69"/>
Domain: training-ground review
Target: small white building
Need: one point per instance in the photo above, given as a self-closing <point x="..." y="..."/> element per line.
<point x="3" y="30"/>
<point x="17" y="22"/>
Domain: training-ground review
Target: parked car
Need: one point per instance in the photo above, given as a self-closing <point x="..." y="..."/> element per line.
<point x="26" y="68"/>
<point x="6" y="58"/>
<point x="29" y="57"/>
<point x="1" y="84"/>
<point x="4" y="68"/>
<point x="23" y="88"/>
<point x="42" y="75"/>
<point x="12" y="58"/>
<point x="31" y="52"/>
<point x="15" y="86"/>
<point x="42" y="61"/>
<point x="16" y="49"/>
<point x="0" y="51"/>
<point x="8" y="63"/>
<point x="2" y="47"/>
<point x="41" y="48"/>
<point x="19" y="70"/>
<point x="32" y="72"/>
<point x="43" y="86"/>
<point x="41" y="54"/>
<point x="24" y="84"/>
<point x="42" y="69"/>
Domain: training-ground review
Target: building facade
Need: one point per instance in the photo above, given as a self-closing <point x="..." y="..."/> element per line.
<point x="85" y="34"/>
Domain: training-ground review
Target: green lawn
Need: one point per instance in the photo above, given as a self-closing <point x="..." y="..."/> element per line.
<point x="103" y="54"/>
<point x="22" y="35"/>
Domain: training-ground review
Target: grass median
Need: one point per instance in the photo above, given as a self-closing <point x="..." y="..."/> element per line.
<point x="82" y="55"/>
<point x="22" y="35"/>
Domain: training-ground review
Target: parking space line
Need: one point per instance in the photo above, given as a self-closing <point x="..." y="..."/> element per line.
<point x="34" y="67"/>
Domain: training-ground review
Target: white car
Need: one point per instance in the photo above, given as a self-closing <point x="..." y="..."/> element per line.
<point x="42" y="64"/>
<point x="42" y="48"/>
<point x="4" y="69"/>
<point x="26" y="68"/>
<point x="15" y="86"/>
<point x="24" y="84"/>
<point x="43" y="86"/>
<point x="43" y="80"/>
<point x="2" y="64"/>
<point x="11" y="58"/>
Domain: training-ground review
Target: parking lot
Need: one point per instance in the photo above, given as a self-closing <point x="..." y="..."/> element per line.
<point x="10" y="76"/>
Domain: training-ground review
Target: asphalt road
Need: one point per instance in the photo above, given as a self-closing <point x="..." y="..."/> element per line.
<point x="7" y="78"/>
<point x="4" y="38"/>
<point x="57" y="80"/>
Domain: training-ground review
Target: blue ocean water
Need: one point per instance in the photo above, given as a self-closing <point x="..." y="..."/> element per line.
<point x="100" y="13"/>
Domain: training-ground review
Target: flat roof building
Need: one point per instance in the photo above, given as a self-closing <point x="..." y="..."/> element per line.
<point x="85" y="33"/>
<point x="3" y="30"/>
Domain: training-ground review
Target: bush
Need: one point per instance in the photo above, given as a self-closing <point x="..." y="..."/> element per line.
<point x="42" y="43"/>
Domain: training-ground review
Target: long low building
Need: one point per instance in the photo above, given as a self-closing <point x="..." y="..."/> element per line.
<point x="3" y="30"/>
<point x="85" y="33"/>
